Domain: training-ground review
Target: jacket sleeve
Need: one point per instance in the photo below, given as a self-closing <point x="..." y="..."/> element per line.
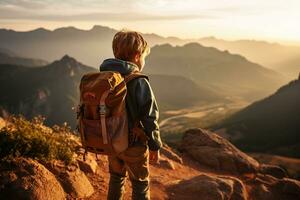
<point x="148" y="113"/>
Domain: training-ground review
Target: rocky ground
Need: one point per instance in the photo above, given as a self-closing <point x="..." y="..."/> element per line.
<point x="207" y="167"/>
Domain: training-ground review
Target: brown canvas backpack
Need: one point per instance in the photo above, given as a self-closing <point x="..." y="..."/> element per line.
<point x="102" y="116"/>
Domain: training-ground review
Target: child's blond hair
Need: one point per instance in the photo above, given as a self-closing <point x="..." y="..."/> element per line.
<point x="126" y="44"/>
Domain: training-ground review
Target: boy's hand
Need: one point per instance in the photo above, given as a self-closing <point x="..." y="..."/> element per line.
<point x="154" y="157"/>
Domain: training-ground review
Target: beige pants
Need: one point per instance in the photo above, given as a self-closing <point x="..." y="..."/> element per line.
<point x="135" y="162"/>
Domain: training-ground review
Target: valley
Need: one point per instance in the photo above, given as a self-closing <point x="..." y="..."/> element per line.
<point x="174" y="122"/>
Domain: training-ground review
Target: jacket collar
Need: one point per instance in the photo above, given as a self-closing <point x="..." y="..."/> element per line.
<point x="121" y="66"/>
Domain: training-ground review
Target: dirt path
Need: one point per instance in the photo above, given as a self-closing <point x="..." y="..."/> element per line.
<point x="161" y="176"/>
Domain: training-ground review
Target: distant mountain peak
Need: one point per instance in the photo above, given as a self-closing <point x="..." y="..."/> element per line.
<point x="193" y="44"/>
<point x="67" y="28"/>
<point x="66" y="62"/>
<point x="69" y="65"/>
<point x="40" y="30"/>
<point x="68" y="59"/>
<point x="101" y="28"/>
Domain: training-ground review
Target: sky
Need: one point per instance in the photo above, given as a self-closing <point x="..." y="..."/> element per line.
<point x="272" y="20"/>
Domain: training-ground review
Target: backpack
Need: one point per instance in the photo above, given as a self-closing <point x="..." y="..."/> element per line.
<point x="102" y="119"/>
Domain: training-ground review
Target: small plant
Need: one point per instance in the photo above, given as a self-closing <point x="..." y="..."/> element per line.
<point x="32" y="139"/>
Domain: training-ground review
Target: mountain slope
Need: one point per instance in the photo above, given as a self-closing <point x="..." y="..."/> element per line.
<point x="270" y="125"/>
<point x="230" y="75"/>
<point x="51" y="90"/>
<point x="10" y="58"/>
<point x="177" y="92"/>
<point x="7" y="52"/>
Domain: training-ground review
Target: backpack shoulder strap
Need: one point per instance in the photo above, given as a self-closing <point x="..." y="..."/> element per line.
<point x="133" y="76"/>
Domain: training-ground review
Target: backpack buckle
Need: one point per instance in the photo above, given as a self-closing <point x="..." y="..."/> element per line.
<point x="102" y="109"/>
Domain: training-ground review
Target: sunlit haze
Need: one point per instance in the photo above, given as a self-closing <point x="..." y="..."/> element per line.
<point x="273" y="20"/>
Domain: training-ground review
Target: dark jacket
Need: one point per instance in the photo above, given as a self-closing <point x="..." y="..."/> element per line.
<point x="140" y="101"/>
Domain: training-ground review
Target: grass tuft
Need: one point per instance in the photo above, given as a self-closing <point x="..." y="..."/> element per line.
<point x="32" y="139"/>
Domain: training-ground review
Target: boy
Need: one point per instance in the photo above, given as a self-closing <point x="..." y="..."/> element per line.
<point x="130" y="50"/>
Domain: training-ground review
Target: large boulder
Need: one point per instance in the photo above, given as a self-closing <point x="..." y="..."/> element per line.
<point x="73" y="180"/>
<point x="27" y="179"/>
<point x="216" y="152"/>
<point x="208" y="187"/>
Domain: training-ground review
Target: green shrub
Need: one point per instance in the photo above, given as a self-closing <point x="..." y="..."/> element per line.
<point x="32" y="139"/>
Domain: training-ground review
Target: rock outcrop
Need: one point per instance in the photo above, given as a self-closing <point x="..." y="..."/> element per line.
<point x="263" y="182"/>
<point x="73" y="180"/>
<point x="216" y="152"/>
<point x="27" y="179"/>
<point x="208" y="187"/>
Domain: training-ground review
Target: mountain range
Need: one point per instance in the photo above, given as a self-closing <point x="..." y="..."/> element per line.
<point x="91" y="46"/>
<point x="52" y="90"/>
<point x="227" y="74"/>
<point x="271" y="55"/>
<point x="221" y="72"/>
